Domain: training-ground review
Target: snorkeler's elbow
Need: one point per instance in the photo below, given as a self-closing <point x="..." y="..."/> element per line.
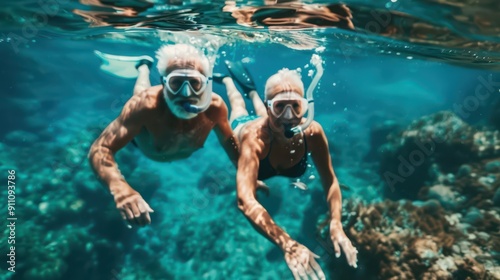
<point x="92" y="152"/>
<point x="247" y="205"/>
<point x="241" y="204"/>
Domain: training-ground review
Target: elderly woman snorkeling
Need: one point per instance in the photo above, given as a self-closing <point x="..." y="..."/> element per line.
<point x="276" y="142"/>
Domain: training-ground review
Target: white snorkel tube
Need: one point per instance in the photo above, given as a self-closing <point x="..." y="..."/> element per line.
<point x="317" y="62"/>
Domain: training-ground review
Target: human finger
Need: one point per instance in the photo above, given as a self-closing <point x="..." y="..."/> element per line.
<point x="309" y="270"/>
<point x="353" y="257"/>
<point x="348" y="250"/>
<point x="142" y="207"/>
<point x="123" y="214"/>
<point x="147" y="218"/>
<point x="135" y="209"/>
<point x="128" y="213"/>
<point x="148" y="207"/>
<point x="301" y="271"/>
<point x="314" y="264"/>
<point x="311" y="273"/>
<point x="336" y="248"/>
<point x="295" y="274"/>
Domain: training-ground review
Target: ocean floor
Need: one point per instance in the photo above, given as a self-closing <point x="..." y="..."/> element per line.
<point x="436" y="217"/>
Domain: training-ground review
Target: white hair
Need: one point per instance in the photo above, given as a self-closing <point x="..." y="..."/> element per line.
<point x="284" y="75"/>
<point x="180" y="51"/>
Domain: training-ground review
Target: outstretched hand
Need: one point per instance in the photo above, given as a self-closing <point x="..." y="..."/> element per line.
<point x="302" y="263"/>
<point x="340" y="241"/>
<point x="133" y="208"/>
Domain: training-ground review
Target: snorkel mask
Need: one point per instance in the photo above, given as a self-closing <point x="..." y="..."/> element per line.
<point x="291" y="105"/>
<point x="193" y="86"/>
<point x="288" y="105"/>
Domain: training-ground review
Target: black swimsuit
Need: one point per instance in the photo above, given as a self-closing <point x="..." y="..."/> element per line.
<point x="266" y="170"/>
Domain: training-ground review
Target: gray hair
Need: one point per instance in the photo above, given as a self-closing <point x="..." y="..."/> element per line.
<point x="182" y="51"/>
<point x="284" y="75"/>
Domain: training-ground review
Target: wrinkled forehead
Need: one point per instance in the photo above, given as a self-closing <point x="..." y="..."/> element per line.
<point x="185" y="63"/>
<point x="284" y="87"/>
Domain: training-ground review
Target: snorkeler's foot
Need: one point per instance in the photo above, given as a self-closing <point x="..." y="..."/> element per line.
<point x="240" y="74"/>
<point x="123" y="66"/>
<point x="145" y="60"/>
<point x="218" y="77"/>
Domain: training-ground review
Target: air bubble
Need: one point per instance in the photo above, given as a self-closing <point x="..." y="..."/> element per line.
<point x="320" y="49"/>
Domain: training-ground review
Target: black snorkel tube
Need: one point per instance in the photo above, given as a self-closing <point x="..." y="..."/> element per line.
<point x="317" y="62"/>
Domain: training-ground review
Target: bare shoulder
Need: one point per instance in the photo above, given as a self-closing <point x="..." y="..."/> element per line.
<point x="314" y="128"/>
<point x="315" y="133"/>
<point x="150" y="97"/>
<point x="142" y="104"/>
<point x="217" y="109"/>
<point x="217" y="101"/>
<point x="256" y="134"/>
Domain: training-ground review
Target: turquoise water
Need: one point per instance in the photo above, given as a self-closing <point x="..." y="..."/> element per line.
<point x="406" y="74"/>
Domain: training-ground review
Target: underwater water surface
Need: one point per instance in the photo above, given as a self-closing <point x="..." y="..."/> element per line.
<point x="409" y="102"/>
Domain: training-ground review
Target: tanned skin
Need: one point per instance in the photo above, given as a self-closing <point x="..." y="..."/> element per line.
<point x="255" y="142"/>
<point x="160" y="135"/>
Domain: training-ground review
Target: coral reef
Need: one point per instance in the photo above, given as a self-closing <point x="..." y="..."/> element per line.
<point x="442" y="139"/>
<point x="68" y="227"/>
<point x="449" y="229"/>
<point x="419" y="240"/>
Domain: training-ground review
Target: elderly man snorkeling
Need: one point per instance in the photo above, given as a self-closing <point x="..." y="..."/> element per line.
<point x="166" y="122"/>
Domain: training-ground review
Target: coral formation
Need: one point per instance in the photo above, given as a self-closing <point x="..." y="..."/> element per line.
<point x="419" y="240"/>
<point x="443" y="139"/>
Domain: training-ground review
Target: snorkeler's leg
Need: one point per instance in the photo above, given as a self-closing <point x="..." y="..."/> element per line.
<point x="258" y="104"/>
<point x="240" y="75"/>
<point x="142" y="81"/>
<point x="238" y="108"/>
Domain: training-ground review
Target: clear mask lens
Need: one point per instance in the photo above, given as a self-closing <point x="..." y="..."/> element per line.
<point x="288" y="105"/>
<point x="177" y="80"/>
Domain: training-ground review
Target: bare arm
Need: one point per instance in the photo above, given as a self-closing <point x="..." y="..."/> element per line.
<point x="246" y="180"/>
<point x="122" y="130"/>
<point x="322" y="160"/>
<point x="118" y="133"/>
<point x="224" y="132"/>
